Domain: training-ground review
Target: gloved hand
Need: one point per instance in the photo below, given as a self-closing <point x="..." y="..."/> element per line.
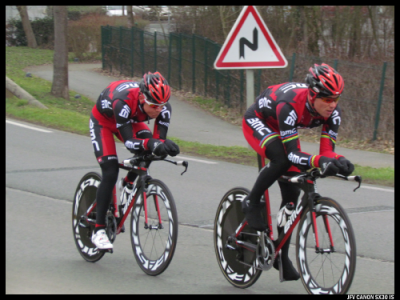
<point x="157" y="147"/>
<point x="171" y="148"/>
<point x="347" y="168"/>
<point x="329" y="166"/>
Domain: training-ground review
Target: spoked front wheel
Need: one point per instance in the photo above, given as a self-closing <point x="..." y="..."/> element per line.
<point x="329" y="269"/>
<point x="154" y="242"/>
<point x="237" y="263"/>
<point x="84" y="216"/>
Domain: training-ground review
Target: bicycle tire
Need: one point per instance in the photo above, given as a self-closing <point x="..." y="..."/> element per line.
<point x="154" y="247"/>
<point x="85" y="196"/>
<point x="228" y="218"/>
<point x="330" y="272"/>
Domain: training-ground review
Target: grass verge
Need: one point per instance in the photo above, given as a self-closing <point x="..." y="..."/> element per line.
<point x="73" y="115"/>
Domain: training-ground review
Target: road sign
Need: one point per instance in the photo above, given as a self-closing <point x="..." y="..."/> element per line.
<point x="250" y="45"/>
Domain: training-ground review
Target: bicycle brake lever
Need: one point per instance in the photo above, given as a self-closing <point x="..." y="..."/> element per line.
<point x="185" y="164"/>
<point x="178" y="163"/>
<point x="358" y="179"/>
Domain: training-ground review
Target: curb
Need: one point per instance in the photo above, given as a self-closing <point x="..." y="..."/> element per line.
<point x="21" y="93"/>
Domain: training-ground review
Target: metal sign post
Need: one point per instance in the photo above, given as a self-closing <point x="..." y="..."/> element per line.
<point x="250" y="46"/>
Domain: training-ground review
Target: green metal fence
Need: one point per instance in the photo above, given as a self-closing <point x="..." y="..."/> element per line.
<point x="188" y="64"/>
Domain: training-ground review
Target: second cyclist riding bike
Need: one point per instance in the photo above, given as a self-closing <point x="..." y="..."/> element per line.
<point x="154" y="219"/>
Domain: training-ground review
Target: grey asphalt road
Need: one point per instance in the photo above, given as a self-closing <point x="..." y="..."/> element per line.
<point x="43" y="169"/>
<point x="193" y="124"/>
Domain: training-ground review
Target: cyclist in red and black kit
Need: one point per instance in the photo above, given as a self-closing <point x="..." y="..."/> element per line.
<point x="270" y="127"/>
<point x="121" y="110"/>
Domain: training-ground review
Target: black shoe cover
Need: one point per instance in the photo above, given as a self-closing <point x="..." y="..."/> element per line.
<point x="289" y="272"/>
<point x="253" y="216"/>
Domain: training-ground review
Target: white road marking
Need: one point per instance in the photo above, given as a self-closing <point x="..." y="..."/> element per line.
<point x="198" y="160"/>
<point x="29" y="127"/>
<point x="376" y="188"/>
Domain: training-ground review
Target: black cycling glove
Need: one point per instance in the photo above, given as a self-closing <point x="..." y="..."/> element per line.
<point x="329" y="166"/>
<point x="347" y="168"/>
<point x="171" y="148"/>
<point x="156" y="147"/>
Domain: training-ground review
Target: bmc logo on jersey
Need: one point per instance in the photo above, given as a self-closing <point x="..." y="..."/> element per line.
<point x="297" y="159"/>
<point x="291" y="119"/>
<point x="290" y="86"/>
<point x="263" y="102"/>
<point x="258" y="125"/>
<point x="288" y="132"/>
<point x="332" y="133"/>
<point x="335" y="117"/>
<point x="132" y="145"/>
<point x="125" y="111"/>
<point x="105" y="104"/>
<point x="127" y="85"/>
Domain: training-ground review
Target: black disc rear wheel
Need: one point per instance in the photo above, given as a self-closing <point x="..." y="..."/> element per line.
<point x="83" y="223"/>
<point x="238" y="264"/>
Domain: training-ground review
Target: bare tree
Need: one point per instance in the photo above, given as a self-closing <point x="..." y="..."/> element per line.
<point x="60" y="61"/>
<point x="343" y="32"/>
<point x="372" y="15"/>
<point x="30" y="36"/>
<point x="131" y="18"/>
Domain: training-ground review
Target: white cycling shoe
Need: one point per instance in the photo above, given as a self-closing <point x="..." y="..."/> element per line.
<point x="100" y="240"/>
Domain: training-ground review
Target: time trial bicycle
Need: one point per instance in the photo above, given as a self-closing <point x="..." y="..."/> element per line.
<point x="154" y="219"/>
<point x="325" y="243"/>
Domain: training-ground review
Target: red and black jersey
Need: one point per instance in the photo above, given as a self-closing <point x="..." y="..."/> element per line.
<point x="283" y="109"/>
<point x="118" y="106"/>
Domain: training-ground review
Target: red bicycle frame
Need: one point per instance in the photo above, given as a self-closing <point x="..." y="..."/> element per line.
<point x="298" y="213"/>
<point x="141" y="171"/>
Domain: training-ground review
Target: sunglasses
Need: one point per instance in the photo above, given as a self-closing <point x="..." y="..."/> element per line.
<point x="329" y="100"/>
<point x="153" y="105"/>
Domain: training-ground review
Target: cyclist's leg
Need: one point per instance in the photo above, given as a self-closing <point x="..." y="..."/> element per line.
<point x="290" y="193"/>
<point x="106" y="154"/>
<point x="109" y="170"/>
<point x="269" y="146"/>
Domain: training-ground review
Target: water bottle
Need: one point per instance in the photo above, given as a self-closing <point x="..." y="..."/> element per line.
<point x="284" y="214"/>
<point x="127" y="190"/>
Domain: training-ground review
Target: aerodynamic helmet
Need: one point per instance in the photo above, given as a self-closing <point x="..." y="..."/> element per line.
<point x="155" y="87"/>
<point x="324" y="81"/>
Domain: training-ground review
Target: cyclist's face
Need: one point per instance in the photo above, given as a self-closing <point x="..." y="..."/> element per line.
<point x="325" y="106"/>
<point x="152" y="112"/>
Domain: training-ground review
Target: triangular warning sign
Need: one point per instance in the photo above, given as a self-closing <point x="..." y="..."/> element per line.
<point x="250" y="45"/>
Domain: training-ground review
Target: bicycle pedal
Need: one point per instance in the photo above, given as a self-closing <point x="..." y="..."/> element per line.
<point x="104" y="250"/>
<point x="107" y="250"/>
<point x="281" y="279"/>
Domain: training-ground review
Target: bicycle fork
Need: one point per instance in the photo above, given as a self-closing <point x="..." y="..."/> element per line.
<point x="312" y="197"/>
<point x="144" y="182"/>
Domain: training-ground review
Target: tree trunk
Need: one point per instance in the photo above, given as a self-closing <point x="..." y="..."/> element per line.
<point x="30" y="36"/>
<point x="60" y="61"/>
<point x="305" y="29"/>
<point x="372" y="15"/>
<point x="131" y="18"/>
<point x="354" y="36"/>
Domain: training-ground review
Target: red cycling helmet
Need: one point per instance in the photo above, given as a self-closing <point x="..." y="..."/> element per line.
<point x="324" y="81"/>
<point x="155" y="87"/>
